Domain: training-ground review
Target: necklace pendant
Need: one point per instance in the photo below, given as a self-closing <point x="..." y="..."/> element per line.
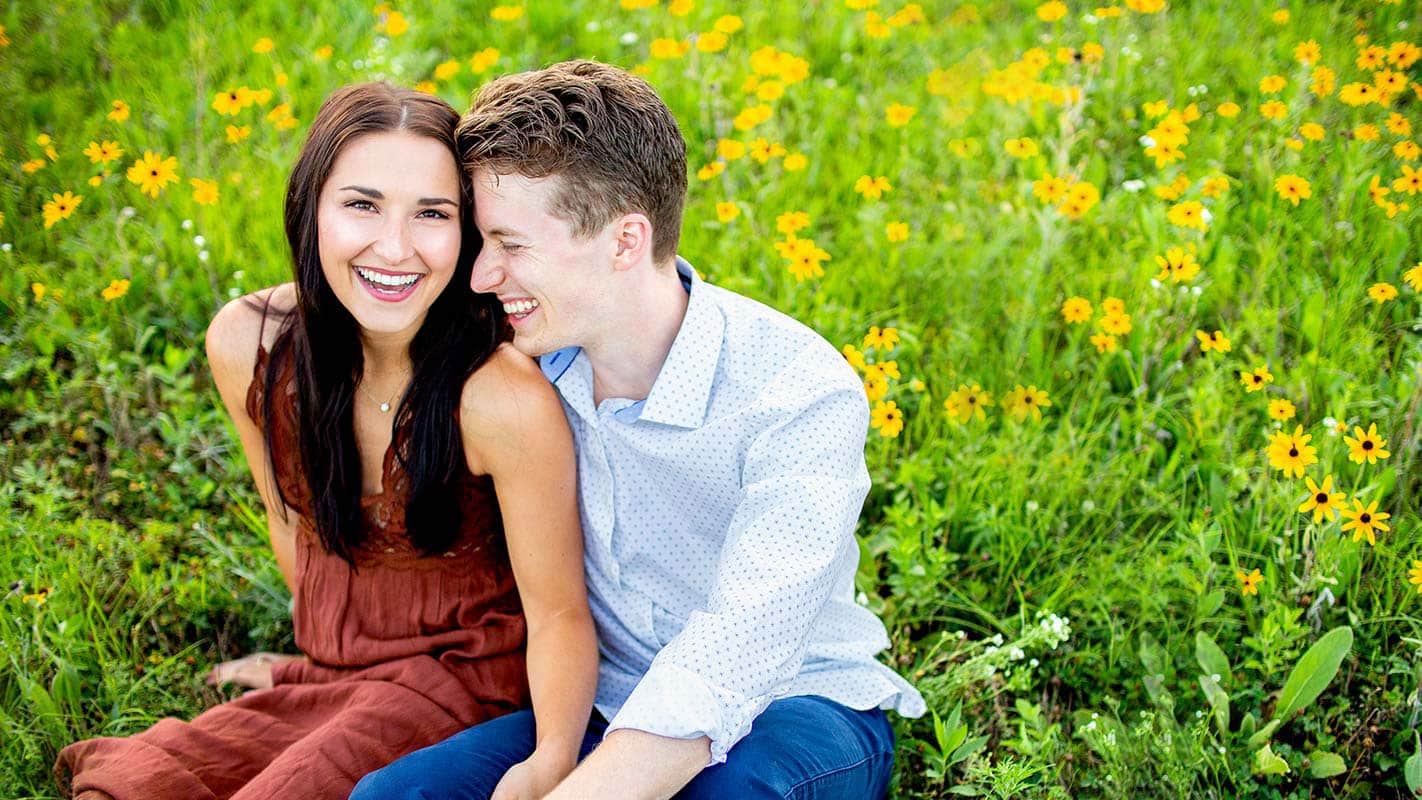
<point x="384" y="407"/>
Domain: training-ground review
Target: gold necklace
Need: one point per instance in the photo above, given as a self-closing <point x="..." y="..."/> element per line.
<point x="385" y="406"/>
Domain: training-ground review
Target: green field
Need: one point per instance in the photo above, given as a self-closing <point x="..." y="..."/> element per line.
<point x="1218" y="193"/>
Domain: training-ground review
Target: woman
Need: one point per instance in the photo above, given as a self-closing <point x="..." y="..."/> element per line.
<point x="415" y="470"/>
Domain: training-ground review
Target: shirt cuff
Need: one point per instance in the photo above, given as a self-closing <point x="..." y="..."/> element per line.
<point x="677" y="703"/>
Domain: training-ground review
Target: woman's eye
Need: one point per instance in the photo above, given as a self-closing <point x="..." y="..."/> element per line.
<point x="363" y="205"/>
<point x="434" y="213"/>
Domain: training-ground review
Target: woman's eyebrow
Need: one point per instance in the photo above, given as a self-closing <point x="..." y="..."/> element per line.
<point x="376" y="194"/>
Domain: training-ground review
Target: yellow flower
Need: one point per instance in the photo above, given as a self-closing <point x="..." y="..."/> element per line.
<point x="1113" y="305"/>
<point x="1414" y="575"/>
<point x="1081" y="197"/>
<point x="853" y="355"/>
<point x="323" y="52"/>
<point x="887" y="419"/>
<point x="481" y="61"/>
<point x="1280" y="16"/>
<point x="118" y="111"/>
<point x="872" y="188"/>
<point x="727" y="211"/>
<point x="34" y="165"/>
<point x="1410" y="182"/>
<point x="730" y="23"/>
<point x="204" y="192"/>
<point x="805" y="258"/>
<point x="39" y="290"/>
<point x="237" y="133"/>
<point x="1022" y="401"/>
<point x="886" y="339"/>
<point x="117" y="288"/>
<point x="730" y="149"/>
<point x="60" y="207"/>
<point x="1321" y="500"/>
<point x="1358" y="94"/>
<point x="263" y="45"/>
<point x="1178" y="264"/>
<point x="1281" y="410"/>
<point x="1227" y="110"/>
<point x="1272" y="84"/>
<point x="792" y="222"/>
<point x="1311" y="131"/>
<point x="1407" y="150"/>
<point x="1049" y="188"/>
<point x="666" y="49"/>
<point x="896" y="231"/>
<point x="1273" y="109"/>
<point x="898" y="115"/>
<point x="446" y="70"/>
<point x="1257" y="379"/>
<point x="506" y="13"/>
<point x="752" y="116"/>
<point x="1308" y="52"/>
<point x="1293" y="188"/>
<point x="1051" y="11"/>
<point x="966" y="402"/>
<point x="1364" y="521"/>
<point x="712" y="42"/>
<point x="1216" y="342"/>
<point x="1076" y="310"/>
<point x="229" y="102"/>
<point x="153" y="172"/>
<point x="1104" y="342"/>
<point x="1021" y="148"/>
<point x="1189" y="214"/>
<point x="1249" y="584"/>
<point x="1291" y="453"/>
<point x="103" y="153"/>
<point x="1118" y="324"/>
<point x="680" y="8"/>
<point x="1367" y="447"/>
<point x="394" y="24"/>
<point x="795" y="162"/>
<point x="1414" y="277"/>
<point x="1382" y="292"/>
<point x="1145" y="6"/>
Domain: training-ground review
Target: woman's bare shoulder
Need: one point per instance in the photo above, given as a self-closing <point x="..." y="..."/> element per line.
<point x="232" y="336"/>
<point x="509" y="405"/>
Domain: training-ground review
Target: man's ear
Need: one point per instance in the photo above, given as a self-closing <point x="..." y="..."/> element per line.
<point x="632" y="240"/>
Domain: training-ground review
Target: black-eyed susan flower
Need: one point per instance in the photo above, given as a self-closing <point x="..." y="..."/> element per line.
<point x="204" y="192"/>
<point x="119" y="111"/>
<point x="1215" y="342"/>
<point x="1413" y="277"/>
<point x="896" y="231"/>
<point x="1051" y="11"/>
<point x="898" y="114"/>
<point x="794" y="162"/>
<point x="711" y="170"/>
<point x="1076" y="310"/>
<point x="1104" y="342"/>
<point x="1414" y="575"/>
<point x="1228" y="109"/>
<point x="1249" y="584"/>
<point x="447" y="69"/>
<point x="1365" y="521"/>
<point x="1023" y="147"/>
<point x="1293" y="188"/>
<point x="1256" y="379"/>
<point x="1312" y="131"/>
<point x="393" y="24"/>
<point x="231" y="101"/>
<point x="1117" y="324"/>
<point x="728" y="24"/>
<point x="967" y="402"/>
<point x="1382" y="292"/>
<point x="887" y="419"/>
<point x="481" y="61"/>
<point x="1366" y="446"/>
<point x="804" y="257"/>
<point x="1281" y="410"/>
<point x="1322" y="500"/>
<point x="1178" y="264"/>
<point x="1291" y="453"/>
<point x="727" y="210"/>
<point x="1025" y="400"/>
<point x="1188" y="214"/>
<point x="103" y="153"/>
<point x="60" y="207"/>
<point x="1273" y="109"/>
<point x="38" y="290"/>
<point x="263" y="45"/>
<point x="1407" y="150"/>
<point x="1357" y="94"/>
<point x="236" y="133"/>
<point x="792" y="222"/>
<point x="117" y="288"/>
<point x="1367" y="132"/>
<point x="152" y="172"/>
<point x="1049" y="188"/>
<point x="712" y="42"/>
<point x="1080" y="198"/>
<point x="33" y="165"/>
<point x="1146" y="6"/>
<point x="883" y="339"/>
<point x="854" y="356"/>
<point x="1308" y="52"/>
<point x="872" y="188"/>
<point x="1272" y="84"/>
<point x="1410" y="182"/>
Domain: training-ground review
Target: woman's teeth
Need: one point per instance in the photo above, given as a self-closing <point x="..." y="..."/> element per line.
<point x="390" y="283"/>
<point x="520" y="306"/>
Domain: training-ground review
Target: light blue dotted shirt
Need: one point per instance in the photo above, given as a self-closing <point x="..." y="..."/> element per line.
<point x="718" y="521"/>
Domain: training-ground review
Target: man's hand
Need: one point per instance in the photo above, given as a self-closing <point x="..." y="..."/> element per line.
<point x="250" y="672"/>
<point x="531" y="778"/>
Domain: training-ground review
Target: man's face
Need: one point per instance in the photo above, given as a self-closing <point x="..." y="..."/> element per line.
<point x="551" y="282"/>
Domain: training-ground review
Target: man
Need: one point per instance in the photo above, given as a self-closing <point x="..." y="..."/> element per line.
<point x="721" y="470"/>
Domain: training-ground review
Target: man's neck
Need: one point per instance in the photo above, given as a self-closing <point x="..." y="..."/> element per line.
<point x="626" y="361"/>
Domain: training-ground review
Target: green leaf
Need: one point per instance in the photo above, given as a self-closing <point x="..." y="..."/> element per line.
<point x="1150" y="654"/>
<point x="1263" y="734"/>
<point x="1325" y="765"/>
<point x="1247" y="725"/>
<point x="1209" y="603"/>
<point x="1314" y="671"/>
<point x="1219" y="702"/>
<point x="1265" y="762"/>
<point x="1211" y="658"/>
<point x="1412" y="770"/>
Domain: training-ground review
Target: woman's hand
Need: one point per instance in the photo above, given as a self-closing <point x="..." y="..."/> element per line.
<point x="250" y="672"/>
<point x="531" y="778"/>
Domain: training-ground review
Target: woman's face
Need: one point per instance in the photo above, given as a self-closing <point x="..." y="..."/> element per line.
<point x="388" y="228"/>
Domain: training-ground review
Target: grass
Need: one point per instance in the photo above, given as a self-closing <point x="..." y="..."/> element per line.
<point x="135" y="559"/>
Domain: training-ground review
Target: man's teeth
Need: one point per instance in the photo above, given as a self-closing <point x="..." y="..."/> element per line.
<point x="520" y="306"/>
<point x="387" y="280"/>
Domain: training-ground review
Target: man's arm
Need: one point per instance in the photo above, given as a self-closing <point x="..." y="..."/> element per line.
<point x="790" y="546"/>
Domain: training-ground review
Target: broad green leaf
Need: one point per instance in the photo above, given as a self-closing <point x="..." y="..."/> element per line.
<point x="1219" y="702"/>
<point x="1314" y="671"/>
<point x="1325" y="765"/>
<point x="1412" y="770"/>
<point x="1211" y="658"/>
<point x="1247" y="726"/>
<point x="1150" y="654"/>
<point x="1209" y="603"/>
<point x="1265" y="762"/>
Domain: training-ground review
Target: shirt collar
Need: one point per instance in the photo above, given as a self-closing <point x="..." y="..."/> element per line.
<point x="682" y="391"/>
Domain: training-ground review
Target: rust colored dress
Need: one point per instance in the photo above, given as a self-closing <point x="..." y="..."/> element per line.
<point x="405" y="651"/>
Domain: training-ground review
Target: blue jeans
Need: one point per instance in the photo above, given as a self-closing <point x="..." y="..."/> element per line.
<point x="800" y="748"/>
